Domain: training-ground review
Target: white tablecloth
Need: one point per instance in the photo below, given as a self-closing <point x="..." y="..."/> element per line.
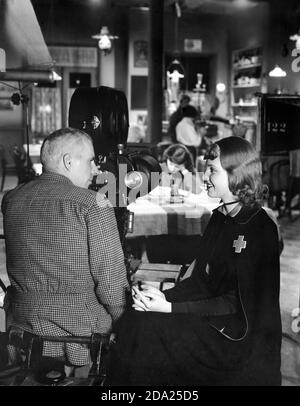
<point x="154" y="215"/>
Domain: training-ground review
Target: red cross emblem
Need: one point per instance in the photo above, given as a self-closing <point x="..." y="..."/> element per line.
<point x="239" y="244"/>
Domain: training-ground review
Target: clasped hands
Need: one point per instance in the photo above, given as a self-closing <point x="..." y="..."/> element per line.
<point x="149" y="299"/>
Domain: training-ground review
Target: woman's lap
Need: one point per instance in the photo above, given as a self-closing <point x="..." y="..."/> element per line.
<point x="173" y="349"/>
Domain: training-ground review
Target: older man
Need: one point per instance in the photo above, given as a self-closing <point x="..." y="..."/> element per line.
<point x="64" y="258"/>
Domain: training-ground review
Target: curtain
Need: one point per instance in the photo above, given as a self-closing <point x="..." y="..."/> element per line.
<point x="45" y="111"/>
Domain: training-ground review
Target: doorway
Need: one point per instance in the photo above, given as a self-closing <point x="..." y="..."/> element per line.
<point x="192" y="65"/>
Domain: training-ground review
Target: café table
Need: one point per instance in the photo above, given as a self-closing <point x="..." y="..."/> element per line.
<point x="155" y="215"/>
<point x="168" y="232"/>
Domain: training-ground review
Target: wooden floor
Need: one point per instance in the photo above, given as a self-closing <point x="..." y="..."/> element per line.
<point x="289" y="295"/>
<point x="290" y="299"/>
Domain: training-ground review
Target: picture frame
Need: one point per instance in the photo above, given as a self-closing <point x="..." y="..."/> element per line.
<point x="192" y="45"/>
<point x="140" y="54"/>
<point x="5" y="103"/>
<point x="6" y="91"/>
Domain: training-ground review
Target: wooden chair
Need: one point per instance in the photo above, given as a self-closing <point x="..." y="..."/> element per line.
<point x="22" y="362"/>
<point x="278" y="185"/>
<point x="25" y="172"/>
<point x="162" y="276"/>
<point x="32" y="368"/>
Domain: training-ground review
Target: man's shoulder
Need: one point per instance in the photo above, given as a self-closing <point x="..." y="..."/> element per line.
<point x="63" y="192"/>
<point x="86" y="197"/>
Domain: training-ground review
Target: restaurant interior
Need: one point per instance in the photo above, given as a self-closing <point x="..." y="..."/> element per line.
<point x="239" y="63"/>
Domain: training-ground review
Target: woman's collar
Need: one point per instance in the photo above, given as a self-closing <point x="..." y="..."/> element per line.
<point x="231" y="211"/>
<point x="241" y="214"/>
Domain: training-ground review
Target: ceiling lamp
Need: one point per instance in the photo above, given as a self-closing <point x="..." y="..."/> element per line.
<point x="105" y="40"/>
<point x="277" y="72"/>
<point x="175" y="70"/>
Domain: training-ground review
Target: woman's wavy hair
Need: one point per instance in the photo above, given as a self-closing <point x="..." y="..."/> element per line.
<point x="242" y="163"/>
<point x="179" y="154"/>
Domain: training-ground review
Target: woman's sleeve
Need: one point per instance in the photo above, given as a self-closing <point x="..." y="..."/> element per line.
<point x="215" y="306"/>
<point x="195" y="287"/>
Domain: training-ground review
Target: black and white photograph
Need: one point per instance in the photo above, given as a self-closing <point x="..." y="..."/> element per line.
<point x="150" y="197"/>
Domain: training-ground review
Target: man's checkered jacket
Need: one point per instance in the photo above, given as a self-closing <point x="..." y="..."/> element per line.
<point x="64" y="261"/>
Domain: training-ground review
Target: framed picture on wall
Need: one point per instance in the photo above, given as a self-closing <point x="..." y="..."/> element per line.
<point x="140" y="54"/>
<point x="6" y="91"/>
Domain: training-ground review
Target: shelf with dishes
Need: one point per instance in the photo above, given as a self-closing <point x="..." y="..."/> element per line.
<point x="249" y="79"/>
<point x="258" y="84"/>
<point x="245" y="119"/>
<point x="246" y="81"/>
<point x="248" y="57"/>
<point x="243" y="98"/>
<point x="247" y="66"/>
<point x="244" y="104"/>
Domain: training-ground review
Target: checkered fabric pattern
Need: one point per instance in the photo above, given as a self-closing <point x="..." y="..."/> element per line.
<point x="64" y="261"/>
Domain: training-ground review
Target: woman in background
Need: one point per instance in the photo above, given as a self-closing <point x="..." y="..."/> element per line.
<point x="178" y="168"/>
<point x="222" y="325"/>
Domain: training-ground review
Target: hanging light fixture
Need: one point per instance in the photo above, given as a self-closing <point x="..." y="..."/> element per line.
<point x="277" y="72"/>
<point x="105" y="39"/>
<point x="175" y="70"/>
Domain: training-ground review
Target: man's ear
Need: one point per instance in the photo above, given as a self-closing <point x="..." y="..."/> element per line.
<point x="67" y="161"/>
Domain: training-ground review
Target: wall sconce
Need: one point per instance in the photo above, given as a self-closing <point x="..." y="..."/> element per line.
<point x="105" y="40"/>
<point x="221" y="92"/>
<point x="221" y="87"/>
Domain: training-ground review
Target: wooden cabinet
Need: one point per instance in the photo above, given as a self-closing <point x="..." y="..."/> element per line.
<point x="246" y="81"/>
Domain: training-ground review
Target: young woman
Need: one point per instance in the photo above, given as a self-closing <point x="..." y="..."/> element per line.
<point x="178" y="166"/>
<point x="222" y="325"/>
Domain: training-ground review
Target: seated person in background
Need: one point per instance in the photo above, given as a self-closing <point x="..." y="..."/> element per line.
<point x="136" y="131"/>
<point x="178" y="166"/>
<point x="64" y="257"/>
<point x="186" y="132"/>
<point x="177" y="116"/>
<point x="221" y="325"/>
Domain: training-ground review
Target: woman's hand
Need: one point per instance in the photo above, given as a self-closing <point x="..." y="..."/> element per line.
<point x="151" y="289"/>
<point x="152" y="300"/>
<point x="137" y="296"/>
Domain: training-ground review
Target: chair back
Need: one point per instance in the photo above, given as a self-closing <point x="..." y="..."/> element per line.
<point x="24" y="170"/>
<point x="29" y="364"/>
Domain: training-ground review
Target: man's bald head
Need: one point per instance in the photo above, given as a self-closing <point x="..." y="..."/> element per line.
<point x="59" y="143"/>
<point x="70" y="152"/>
